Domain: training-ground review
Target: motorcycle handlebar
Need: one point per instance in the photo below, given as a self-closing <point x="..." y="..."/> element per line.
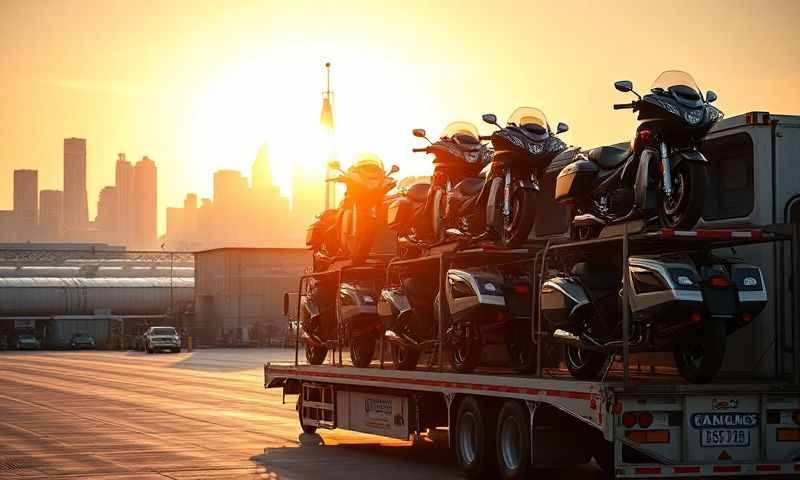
<point x="620" y="106"/>
<point x="420" y="150"/>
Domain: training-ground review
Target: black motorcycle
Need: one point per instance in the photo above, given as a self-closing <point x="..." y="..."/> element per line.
<point x="455" y="204"/>
<point x="348" y="231"/>
<point x="614" y="184"/>
<point x="522" y="150"/>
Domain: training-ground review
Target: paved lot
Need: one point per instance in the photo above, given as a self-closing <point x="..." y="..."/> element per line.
<point x="117" y="415"/>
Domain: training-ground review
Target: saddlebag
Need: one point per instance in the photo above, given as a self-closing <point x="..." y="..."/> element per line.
<point x="575" y="180"/>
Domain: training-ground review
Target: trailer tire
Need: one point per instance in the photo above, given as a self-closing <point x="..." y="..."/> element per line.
<point x="361" y="350"/>
<point x="404" y="358"/>
<point x="315" y="355"/>
<point x="309" y="429"/>
<point x="699" y="352"/>
<point x="474" y="438"/>
<point x="513" y="440"/>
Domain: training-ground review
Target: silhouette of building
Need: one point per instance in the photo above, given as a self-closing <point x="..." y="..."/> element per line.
<point x="126" y="202"/>
<point x="7" y="229"/>
<point x="51" y="215"/>
<point x="146" y="205"/>
<point x="107" y="219"/>
<point x="26" y="204"/>
<point x="190" y="213"/>
<point x="76" y="211"/>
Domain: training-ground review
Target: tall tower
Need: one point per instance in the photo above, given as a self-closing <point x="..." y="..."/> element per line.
<point x="108" y="214"/>
<point x="51" y="215"/>
<point x="126" y="202"/>
<point x="26" y="203"/>
<point x="76" y="210"/>
<point x="261" y="172"/>
<point x="146" y="204"/>
<point x="328" y="128"/>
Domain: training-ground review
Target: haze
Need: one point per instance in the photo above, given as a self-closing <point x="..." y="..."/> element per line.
<point x="199" y="85"/>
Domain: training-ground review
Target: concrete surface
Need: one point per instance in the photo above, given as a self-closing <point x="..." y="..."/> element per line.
<point x="130" y="415"/>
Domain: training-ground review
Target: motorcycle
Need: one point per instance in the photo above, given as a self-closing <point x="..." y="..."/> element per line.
<point x="317" y="318"/>
<point x="614" y="184"/>
<point x="456" y="199"/>
<point x="485" y="306"/>
<point x="405" y="210"/>
<point x="349" y="230"/>
<point x="522" y="151"/>
<point x="688" y="304"/>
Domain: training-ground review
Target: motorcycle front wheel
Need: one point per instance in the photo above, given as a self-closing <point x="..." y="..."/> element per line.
<point x="315" y="355"/>
<point x="361" y="350"/>
<point x="465" y="355"/>
<point x="699" y="352"/>
<point x="518" y="224"/>
<point x="684" y="207"/>
<point x="584" y="364"/>
<point x="438" y="212"/>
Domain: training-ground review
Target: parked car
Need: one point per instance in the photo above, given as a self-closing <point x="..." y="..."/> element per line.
<point x="81" y="340"/>
<point x="162" y="338"/>
<point x="28" y="342"/>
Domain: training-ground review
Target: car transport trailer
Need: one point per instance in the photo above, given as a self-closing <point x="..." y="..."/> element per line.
<point x="634" y="424"/>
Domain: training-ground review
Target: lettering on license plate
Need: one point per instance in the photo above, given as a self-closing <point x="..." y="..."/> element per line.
<point x="718" y="437"/>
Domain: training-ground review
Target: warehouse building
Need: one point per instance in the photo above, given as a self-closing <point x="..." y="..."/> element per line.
<point x="239" y="293"/>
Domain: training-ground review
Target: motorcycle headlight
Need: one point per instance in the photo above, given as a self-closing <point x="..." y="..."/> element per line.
<point x="693" y="116"/>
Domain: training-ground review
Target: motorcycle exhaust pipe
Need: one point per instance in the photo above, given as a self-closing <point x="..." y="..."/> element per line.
<point x="400" y="339"/>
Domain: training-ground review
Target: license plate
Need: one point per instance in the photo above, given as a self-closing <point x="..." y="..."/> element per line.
<point x="725" y="437"/>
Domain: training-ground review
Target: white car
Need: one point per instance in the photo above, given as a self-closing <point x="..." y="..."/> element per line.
<point x="162" y="338"/>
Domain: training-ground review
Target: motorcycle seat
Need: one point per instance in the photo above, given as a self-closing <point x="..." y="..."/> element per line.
<point x="610" y="156"/>
<point x="598" y="278"/>
<point x="469" y="187"/>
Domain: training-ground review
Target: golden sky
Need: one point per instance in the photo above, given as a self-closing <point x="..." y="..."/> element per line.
<point x="198" y="85"/>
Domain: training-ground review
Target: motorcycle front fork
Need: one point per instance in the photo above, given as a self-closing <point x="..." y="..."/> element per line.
<point x="507" y="193"/>
<point x="666" y="171"/>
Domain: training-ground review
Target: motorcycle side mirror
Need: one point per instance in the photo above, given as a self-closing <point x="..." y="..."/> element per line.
<point x="561" y="128"/>
<point x="394" y="169"/>
<point x="624" y="85"/>
<point x="419" y="132"/>
<point x="711" y="96"/>
<point x="490" y="118"/>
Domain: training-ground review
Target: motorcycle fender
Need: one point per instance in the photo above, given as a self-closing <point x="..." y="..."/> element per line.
<point x="687" y="155"/>
<point x="562" y="299"/>
<point x="648" y="157"/>
<point x="495" y="195"/>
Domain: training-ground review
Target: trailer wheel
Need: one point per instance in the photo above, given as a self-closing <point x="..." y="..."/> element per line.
<point x="315" y="355"/>
<point x="404" y="358"/>
<point x="309" y="429"/>
<point x="474" y="439"/>
<point x="465" y="355"/>
<point x="699" y="352"/>
<point x="513" y="440"/>
<point x="361" y="350"/>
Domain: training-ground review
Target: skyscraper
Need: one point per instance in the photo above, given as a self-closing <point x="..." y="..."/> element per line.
<point x="107" y="220"/>
<point x="190" y="214"/>
<point x="76" y="210"/>
<point x="126" y="203"/>
<point x="51" y="215"/>
<point x="261" y="173"/>
<point x="146" y="208"/>
<point x="26" y="203"/>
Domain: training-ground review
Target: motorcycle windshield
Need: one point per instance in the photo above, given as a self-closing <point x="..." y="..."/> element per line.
<point x="676" y="78"/>
<point x="527" y="117"/>
<point x="464" y="132"/>
<point x="367" y="163"/>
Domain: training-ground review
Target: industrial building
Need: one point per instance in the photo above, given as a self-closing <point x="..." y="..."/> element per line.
<point x="239" y="293"/>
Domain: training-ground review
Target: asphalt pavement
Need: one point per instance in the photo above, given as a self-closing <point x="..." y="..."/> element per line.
<point x="200" y="415"/>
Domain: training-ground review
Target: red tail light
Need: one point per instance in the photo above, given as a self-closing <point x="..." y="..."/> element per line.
<point x="645" y="419"/>
<point x="522" y="289"/>
<point x="629" y="419"/>
<point x="718" y="281"/>
<point x="696" y="317"/>
<point x="747" y="317"/>
<point x="645" y="135"/>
